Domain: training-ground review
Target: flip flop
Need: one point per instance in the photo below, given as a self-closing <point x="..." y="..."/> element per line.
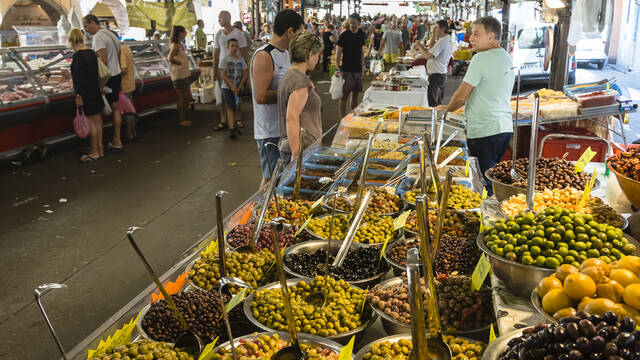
<point x="114" y="147"/>
<point x="218" y="127"/>
<point x="240" y="124"/>
<point x="87" y="159"/>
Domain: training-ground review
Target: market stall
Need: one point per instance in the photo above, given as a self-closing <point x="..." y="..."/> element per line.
<point x="354" y="214"/>
<point x="36" y="91"/>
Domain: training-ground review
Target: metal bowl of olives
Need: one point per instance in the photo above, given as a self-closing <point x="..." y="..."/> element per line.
<point x="369" y="317"/>
<point x="499" y="346"/>
<point x="397" y="268"/>
<point x="395" y="338"/>
<point x="521" y="279"/>
<point x="352" y="198"/>
<point x="392" y="326"/>
<point x="396" y="234"/>
<point x="311" y="247"/>
<point x="139" y="328"/>
<point x="535" y="301"/>
<point x="306" y="339"/>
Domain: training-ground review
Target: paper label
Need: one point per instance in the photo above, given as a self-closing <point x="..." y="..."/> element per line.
<point x="347" y="350"/>
<point x="492" y="334"/>
<point x="303" y="226"/>
<point x="400" y="221"/>
<point x="235" y="300"/>
<point x="211" y="248"/>
<point x="484" y="193"/>
<point x="207" y="352"/>
<point x="466" y="168"/>
<point x="120" y="337"/>
<point x="584" y="159"/>
<point x="480" y="273"/>
<point x="172" y="287"/>
<point x="586" y="195"/>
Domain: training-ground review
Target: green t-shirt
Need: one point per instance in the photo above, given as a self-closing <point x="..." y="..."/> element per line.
<point x="488" y="108"/>
<point x="201" y="39"/>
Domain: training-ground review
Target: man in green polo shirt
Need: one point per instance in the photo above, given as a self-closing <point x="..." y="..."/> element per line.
<point x="486" y="94"/>
<point x="201" y="37"/>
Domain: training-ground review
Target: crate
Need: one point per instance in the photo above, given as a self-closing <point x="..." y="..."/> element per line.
<point x="558" y="146"/>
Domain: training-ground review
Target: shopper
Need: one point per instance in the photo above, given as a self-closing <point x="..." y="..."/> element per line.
<point x="223" y="35"/>
<point x="438" y="54"/>
<point x="297" y="98"/>
<point x="406" y="45"/>
<point x="374" y="41"/>
<point x="486" y="94"/>
<point x="84" y="73"/>
<point x="128" y="85"/>
<point x="201" y="37"/>
<point x="350" y="63"/>
<point x="328" y="42"/>
<point x="421" y="30"/>
<point x="180" y="73"/>
<point x="233" y="70"/>
<point x="391" y="43"/>
<point x="266" y="33"/>
<point x="269" y="64"/>
<point x="107" y="45"/>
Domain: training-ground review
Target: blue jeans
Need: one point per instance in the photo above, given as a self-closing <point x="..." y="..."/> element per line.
<point x="489" y="150"/>
<point x="269" y="155"/>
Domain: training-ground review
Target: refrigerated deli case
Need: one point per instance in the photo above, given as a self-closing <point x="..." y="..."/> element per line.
<point x="36" y="91"/>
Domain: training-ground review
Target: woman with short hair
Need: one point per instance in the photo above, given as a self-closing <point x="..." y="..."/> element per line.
<point x="298" y="101"/>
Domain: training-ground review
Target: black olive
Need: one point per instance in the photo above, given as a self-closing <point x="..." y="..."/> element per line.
<point x="613" y="331"/>
<point x="625" y="339"/>
<point x="587" y="328"/>
<point x="575" y="355"/>
<point x="569" y="319"/>
<point x="628" y="324"/>
<point x="610" y="317"/>
<point x="582" y="314"/>
<point x="598" y="342"/>
<point x="610" y="349"/>
<point x="559" y="348"/>
<point x="595" y="356"/>
<point x="573" y="331"/>
<point x="625" y="353"/>
<point x="560" y="333"/>
<point x="584" y="345"/>
<point x="604" y="333"/>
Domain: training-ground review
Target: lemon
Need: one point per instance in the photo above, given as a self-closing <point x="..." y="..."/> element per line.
<point x="555" y="300"/>
<point x="624" y="277"/>
<point x="563" y="270"/>
<point x="577" y="286"/>
<point x="547" y="284"/>
<point x="631" y="296"/>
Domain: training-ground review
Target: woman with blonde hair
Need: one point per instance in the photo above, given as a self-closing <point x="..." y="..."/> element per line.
<point x="298" y="101"/>
<point x="84" y="72"/>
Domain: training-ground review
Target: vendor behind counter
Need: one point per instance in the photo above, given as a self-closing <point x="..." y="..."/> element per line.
<point x="486" y="93"/>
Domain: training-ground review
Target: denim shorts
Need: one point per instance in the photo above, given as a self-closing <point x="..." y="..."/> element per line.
<point x="273" y="155"/>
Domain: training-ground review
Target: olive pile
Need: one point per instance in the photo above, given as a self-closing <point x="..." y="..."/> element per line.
<point x="143" y="349"/>
<point x="265" y="346"/>
<point x="555" y="237"/>
<point x="382" y="202"/>
<point x="461" y="308"/>
<point x="550" y="173"/>
<point x="578" y="337"/>
<point x="460" y="349"/>
<point x="603" y="213"/>
<point x="456" y="254"/>
<point x="373" y="229"/>
<point x="254" y="268"/>
<point x="295" y="211"/>
<point x="461" y="197"/>
<point x="627" y="163"/>
<point x="398" y="252"/>
<point x="360" y="263"/>
<point x="341" y="313"/>
<point x="455" y="223"/>
<point x="240" y="235"/>
<point x="201" y="309"/>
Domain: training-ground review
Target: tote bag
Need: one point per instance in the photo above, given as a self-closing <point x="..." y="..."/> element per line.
<point x="103" y="74"/>
<point x="81" y="124"/>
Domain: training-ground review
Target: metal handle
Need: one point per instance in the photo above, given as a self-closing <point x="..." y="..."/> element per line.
<point x="444" y="202"/>
<point x="296" y="186"/>
<point x="222" y="283"/>
<point x="353" y="228"/>
<point x="265" y="205"/>
<point x="275" y="195"/>
<point x="276" y="227"/>
<point x="531" y="181"/>
<point x="440" y="132"/>
<point x="432" y="166"/>
<point x="453" y="135"/>
<point x="418" y="323"/>
<point x="514" y="151"/>
<point x="434" y="120"/>
<point x="39" y="291"/>
<point x="363" y="172"/>
<point x="166" y="295"/>
<point x="220" y="227"/>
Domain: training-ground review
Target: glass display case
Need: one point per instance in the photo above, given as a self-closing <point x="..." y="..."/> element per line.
<point x="150" y="58"/>
<point x="50" y="66"/>
<point x="17" y="85"/>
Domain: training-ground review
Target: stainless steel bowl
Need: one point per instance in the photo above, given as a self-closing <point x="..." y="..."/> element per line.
<point x="496" y="348"/>
<point x="537" y="304"/>
<point x="285" y="228"/>
<point x="369" y="317"/>
<point x="519" y="278"/>
<point x="139" y="328"/>
<point x="397" y="268"/>
<point x="392" y="326"/>
<point x="193" y="284"/>
<point x="309" y="247"/>
<point x="352" y="197"/>
<point x="303" y="338"/>
<point x="392" y="338"/>
<point x="397" y="235"/>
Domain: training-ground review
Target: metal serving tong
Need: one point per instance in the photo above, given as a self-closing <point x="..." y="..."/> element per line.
<point x="39" y="292"/>
<point x="296" y="185"/>
<point x="293" y="351"/>
<point x="514" y="149"/>
<point x="531" y="176"/>
<point x="188" y="341"/>
<point x="444" y="203"/>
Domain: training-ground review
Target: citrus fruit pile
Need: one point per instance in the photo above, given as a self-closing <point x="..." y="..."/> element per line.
<point x="595" y="288"/>
<point x="555" y="237"/>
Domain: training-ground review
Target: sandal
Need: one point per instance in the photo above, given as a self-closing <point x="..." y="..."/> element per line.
<point x="110" y="145"/>
<point x="219" y="127"/>
<point x="87" y="159"/>
<point x="240" y="124"/>
<point x="185" y="123"/>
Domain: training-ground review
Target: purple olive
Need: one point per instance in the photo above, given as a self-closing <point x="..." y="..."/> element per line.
<point x="575" y="355"/>
<point x="587" y="328"/>
<point x="610" y="349"/>
<point x="625" y="339"/>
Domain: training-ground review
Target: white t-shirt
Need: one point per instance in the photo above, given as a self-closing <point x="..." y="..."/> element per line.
<point x="105" y="39"/>
<point x="220" y="41"/>
<point x="442" y="51"/>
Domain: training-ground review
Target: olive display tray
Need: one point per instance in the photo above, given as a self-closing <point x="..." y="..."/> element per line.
<point x="369" y="316"/>
<point x="498" y="346"/>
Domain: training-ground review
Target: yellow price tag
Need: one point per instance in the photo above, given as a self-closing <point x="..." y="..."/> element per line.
<point x="484" y="193"/>
<point x="235" y="300"/>
<point x="480" y="273"/>
<point x="584" y="159"/>
<point x="586" y="195"/>
<point x="303" y="226"/>
<point x="317" y="203"/>
<point x="211" y="248"/>
<point x="466" y="168"/>
<point x="120" y="337"/>
<point x="401" y="220"/>
<point x="492" y="334"/>
<point x="481" y="224"/>
<point x="207" y="352"/>
<point x="347" y="350"/>
<point x="364" y="301"/>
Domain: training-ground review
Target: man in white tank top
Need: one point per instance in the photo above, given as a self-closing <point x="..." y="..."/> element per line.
<point x="269" y="64"/>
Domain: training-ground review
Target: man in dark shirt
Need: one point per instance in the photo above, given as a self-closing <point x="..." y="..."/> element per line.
<point x="328" y="42"/>
<point x="350" y="62"/>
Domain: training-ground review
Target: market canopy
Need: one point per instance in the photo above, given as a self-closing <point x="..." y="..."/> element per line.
<point x="141" y="13"/>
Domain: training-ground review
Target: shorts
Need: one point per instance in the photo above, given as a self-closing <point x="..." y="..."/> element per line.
<point x="390" y="58"/>
<point x="181" y="84"/>
<point x="114" y="83"/>
<point x="269" y="155"/>
<point x="352" y="82"/>
<point x="229" y="98"/>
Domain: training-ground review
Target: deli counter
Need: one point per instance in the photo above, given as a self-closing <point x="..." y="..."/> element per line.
<point x="36" y="91"/>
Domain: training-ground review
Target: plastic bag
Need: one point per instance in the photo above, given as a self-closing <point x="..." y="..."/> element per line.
<point x="217" y="92"/>
<point x="336" y="87"/>
<point x="376" y="66"/>
<point x="103" y="74"/>
<point x="106" y="111"/>
<point x="125" y="104"/>
<point x="81" y="124"/>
